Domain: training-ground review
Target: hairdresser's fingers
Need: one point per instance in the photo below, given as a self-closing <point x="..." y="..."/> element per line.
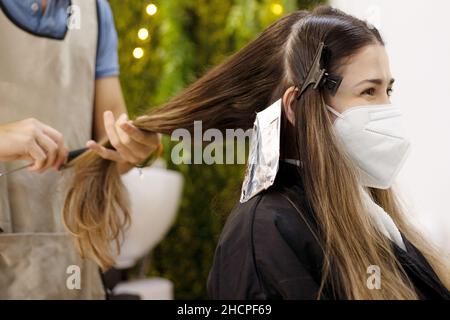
<point x="51" y="149"/>
<point x="103" y="152"/>
<point x="62" y="150"/>
<point x="150" y="139"/>
<point x="138" y="150"/>
<point x="63" y="157"/>
<point x="38" y="155"/>
<point x="110" y="127"/>
<point x="131" y="151"/>
<point x="52" y="133"/>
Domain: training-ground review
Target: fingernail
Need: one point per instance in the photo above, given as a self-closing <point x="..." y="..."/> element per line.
<point x="126" y="126"/>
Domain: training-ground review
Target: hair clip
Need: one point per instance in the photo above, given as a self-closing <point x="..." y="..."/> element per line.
<point x="319" y="77"/>
<point x="332" y="83"/>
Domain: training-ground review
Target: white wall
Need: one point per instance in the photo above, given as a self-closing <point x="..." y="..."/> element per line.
<point x="417" y="36"/>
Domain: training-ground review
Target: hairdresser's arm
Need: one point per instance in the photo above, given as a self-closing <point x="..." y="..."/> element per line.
<point x="132" y="145"/>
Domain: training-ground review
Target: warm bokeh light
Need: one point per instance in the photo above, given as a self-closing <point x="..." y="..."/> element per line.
<point x="151" y="9"/>
<point x="276" y="8"/>
<point x="143" y="34"/>
<point x="138" y="53"/>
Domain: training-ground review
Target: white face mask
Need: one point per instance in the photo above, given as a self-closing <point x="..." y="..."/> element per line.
<point x="374" y="139"/>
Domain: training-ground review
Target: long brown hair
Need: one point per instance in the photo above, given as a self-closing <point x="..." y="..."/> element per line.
<point x="228" y="96"/>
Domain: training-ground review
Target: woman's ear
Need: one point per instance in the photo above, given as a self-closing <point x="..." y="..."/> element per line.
<point x="289" y="97"/>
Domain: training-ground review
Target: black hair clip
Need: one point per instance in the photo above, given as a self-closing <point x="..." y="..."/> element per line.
<point x="332" y="83"/>
<point x="319" y="77"/>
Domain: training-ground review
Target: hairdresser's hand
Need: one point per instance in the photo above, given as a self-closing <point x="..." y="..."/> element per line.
<point x="32" y="140"/>
<point x="132" y="145"/>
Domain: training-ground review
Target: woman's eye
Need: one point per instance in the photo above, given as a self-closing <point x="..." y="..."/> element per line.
<point x="389" y="91"/>
<point x="369" y="92"/>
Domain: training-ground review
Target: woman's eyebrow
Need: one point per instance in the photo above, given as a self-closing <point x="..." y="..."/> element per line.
<point x="375" y="81"/>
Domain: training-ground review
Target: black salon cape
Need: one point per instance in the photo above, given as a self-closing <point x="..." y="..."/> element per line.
<point x="267" y="250"/>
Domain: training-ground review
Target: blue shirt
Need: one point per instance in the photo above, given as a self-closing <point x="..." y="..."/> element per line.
<point x="53" y="24"/>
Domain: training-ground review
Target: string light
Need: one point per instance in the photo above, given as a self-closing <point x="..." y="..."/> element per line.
<point x="138" y="53"/>
<point x="276" y="8"/>
<point x="151" y="9"/>
<point x="143" y="34"/>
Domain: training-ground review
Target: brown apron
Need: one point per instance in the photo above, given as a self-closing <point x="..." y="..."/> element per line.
<point x="54" y="82"/>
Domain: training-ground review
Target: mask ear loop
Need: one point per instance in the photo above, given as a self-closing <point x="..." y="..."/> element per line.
<point x="333" y="111"/>
<point x="319" y="77"/>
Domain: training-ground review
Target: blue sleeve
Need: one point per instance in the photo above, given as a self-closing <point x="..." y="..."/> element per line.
<point x="107" y="58"/>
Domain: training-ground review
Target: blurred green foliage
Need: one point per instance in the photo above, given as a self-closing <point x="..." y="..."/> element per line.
<point x="186" y="39"/>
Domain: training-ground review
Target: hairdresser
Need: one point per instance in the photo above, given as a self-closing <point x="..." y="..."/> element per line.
<point x="59" y="91"/>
